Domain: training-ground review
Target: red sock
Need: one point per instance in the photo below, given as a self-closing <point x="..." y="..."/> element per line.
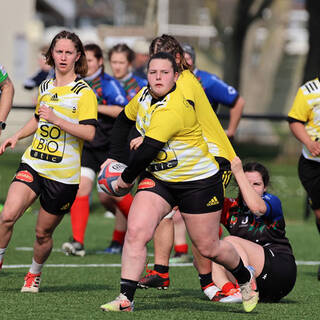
<point x="181" y="248"/>
<point x="125" y="203"/>
<point x="227" y="287"/>
<point x="220" y="231"/>
<point x="79" y="218"/>
<point x="118" y="236"/>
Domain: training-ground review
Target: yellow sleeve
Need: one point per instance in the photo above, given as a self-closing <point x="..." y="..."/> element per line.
<point x="88" y="105"/>
<point x="131" y="109"/>
<point x="164" y="124"/>
<point x="210" y="123"/>
<point x="300" y="109"/>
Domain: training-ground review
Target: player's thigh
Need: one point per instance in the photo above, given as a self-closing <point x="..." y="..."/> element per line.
<point x="202" y="228"/>
<point x="47" y="222"/>
<point x="252" y="253"/>
<point x="146" y="211"/>
<point x="20" y="197"/>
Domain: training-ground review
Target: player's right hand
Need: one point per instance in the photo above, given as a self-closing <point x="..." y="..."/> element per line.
<point x="314" y="148"/>
<point x="9" y="142"/>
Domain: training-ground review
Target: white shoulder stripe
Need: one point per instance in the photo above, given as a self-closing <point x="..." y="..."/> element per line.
<point x="312" y="86"/>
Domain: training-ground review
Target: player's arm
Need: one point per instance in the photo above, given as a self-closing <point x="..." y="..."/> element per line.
<point x="254" y="202"/>
<point x="110" y="110"/>
<point x="141" y="159"/>
<point x="300" y="132"/>
<point x="27" y="130"/>
<point x="6" y="98"/>
<point x="235" y="116"/>
<point x="82" y="131"/>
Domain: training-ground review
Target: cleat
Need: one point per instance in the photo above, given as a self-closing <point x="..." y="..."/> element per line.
<point x="249" y="292"/>
<point x="73" y="248"/>
<point x="210" y="290"/>
<point x="114" y="248"/>
<point x="232" y="296"/>
<point x="154" y="279"/>
<point x="31" y="283"/>
<point x="181" y="258"/>
<point x="121" y="303"/>
<point x="318" y="273"/>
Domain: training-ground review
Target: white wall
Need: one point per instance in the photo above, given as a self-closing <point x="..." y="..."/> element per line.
<point x="19" y="38"/>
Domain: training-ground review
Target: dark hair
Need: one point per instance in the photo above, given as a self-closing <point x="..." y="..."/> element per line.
<point x="169" y="44"/>
<point x="97" y="52"/>
<point x="255" y="166"/>
<point x="164" y="56"/>
<point x="122" y="47"/>
<point x="81" y="66"/>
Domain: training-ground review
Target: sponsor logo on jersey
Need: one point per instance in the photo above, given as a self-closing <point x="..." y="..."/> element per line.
<point x="146" y="184"/>
<point x="24" y="176"/>
<point x="245" y="220"/>
<point x="55" y="97"/>
<point x="214" y="201"/>
<point x="233" y="221"/>
<point x="66" y="206"/>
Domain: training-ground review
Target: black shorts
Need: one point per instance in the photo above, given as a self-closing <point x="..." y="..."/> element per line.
<point x="309" y="174"/>
<point x="200" y="196"/>
<point x="225" y="170"/>
<point x="278" y="276"/>
<point x="55" y="197"/>
<point x="93" y="158"/>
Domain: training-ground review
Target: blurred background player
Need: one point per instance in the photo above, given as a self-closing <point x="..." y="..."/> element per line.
<point x="111" y="100"/>
<point x="6" y="97"/>
<point x="303" y="121"/>
<point x="121" y="58"/>
<point x="45" y="71"/>
<point x="140" y="62"/>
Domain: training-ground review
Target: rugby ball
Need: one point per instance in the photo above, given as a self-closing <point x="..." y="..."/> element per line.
<point x="108" y="176"/>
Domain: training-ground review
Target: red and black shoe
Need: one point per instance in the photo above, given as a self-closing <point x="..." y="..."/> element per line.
<point x="154" y="279"/>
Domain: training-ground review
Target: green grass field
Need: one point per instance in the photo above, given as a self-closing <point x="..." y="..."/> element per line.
<point x="74" y="287"/>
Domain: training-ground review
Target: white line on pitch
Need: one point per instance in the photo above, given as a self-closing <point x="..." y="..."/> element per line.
<point x="112" y="265"/>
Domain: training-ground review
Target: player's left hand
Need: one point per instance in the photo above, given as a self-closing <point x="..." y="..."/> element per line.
<point x="135" y="143"/>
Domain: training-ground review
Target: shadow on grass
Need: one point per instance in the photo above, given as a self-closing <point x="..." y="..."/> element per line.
<point x="69" y="288"/>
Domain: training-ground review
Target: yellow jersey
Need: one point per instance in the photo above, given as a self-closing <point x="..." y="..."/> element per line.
<point x="218" y="142"/>
<point x="306" y="108"/>
<point x="173" y="120"/>
<point x="54" y="153"/>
